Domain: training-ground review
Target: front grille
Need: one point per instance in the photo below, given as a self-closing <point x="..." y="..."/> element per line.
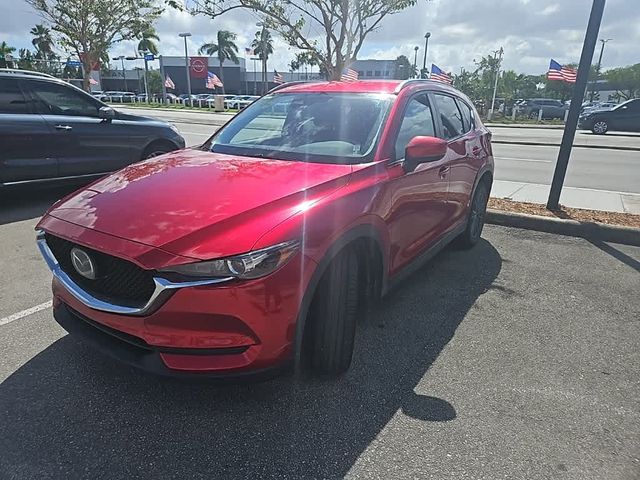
<point x="117" y="281"/>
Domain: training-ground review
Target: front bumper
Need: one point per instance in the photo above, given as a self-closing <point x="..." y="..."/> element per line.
<point x="135" y="352"/>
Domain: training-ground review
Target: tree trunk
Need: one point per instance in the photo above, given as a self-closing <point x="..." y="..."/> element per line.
<point x="221" y="76"/>
<point x="86" y="74"/>
<point x="264" y="76"/>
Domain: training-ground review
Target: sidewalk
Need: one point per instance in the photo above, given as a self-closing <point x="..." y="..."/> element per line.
<point x="623" y="202"/>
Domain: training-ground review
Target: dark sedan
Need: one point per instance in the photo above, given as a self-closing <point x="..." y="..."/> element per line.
<point x="623" y="118"/>
<point x="51" y="130"/>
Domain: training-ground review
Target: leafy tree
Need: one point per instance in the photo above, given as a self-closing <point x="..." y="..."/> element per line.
<point x="155" y="82"/>
<point x="25" y="59"/>
<point x="5" y="50"/>
<point x="625" y="80"/>
<point x="225" y="49"/>
<point x="147" y="43"/>
<point x="90" y="28"/>
<point x="263" y="47"/>
<point x="404" y="68"/>
<point x="342" y="25"/>
<point x="42" y="41"/>
<point x="302" y="59"/>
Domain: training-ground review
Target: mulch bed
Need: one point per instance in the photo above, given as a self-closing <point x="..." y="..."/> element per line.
<point x="578" y="214"/>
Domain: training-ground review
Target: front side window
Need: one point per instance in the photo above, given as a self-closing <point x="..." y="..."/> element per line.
<point x="317" y="127"/>
<point x="450" y="116"/>
<point x="417" y="121"/>
<point x="56" y="99"/>
<point x="11" y="98"/>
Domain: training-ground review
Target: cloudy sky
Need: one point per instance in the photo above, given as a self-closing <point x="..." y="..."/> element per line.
<point x="531" y="32"/>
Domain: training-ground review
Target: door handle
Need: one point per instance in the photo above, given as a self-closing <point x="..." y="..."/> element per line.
<point x="442" y="173"/>
<point x="66" y="128"/>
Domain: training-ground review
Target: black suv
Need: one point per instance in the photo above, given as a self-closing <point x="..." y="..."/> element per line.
<point x="50" y="130"/>
<point x="623" y="118"/>
<point x="550" y="108"/>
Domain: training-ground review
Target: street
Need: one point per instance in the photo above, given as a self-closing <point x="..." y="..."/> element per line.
<point x="490" y="363"/>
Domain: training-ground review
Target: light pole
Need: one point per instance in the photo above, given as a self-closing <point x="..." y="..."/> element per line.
<point x="593" y="91"/>
<point x="424" y="60"/>
<point x="186" y="59"/>
<point x="124" y="74"/>
<point x="415" y="59"/>
<point x="495" y="86"/>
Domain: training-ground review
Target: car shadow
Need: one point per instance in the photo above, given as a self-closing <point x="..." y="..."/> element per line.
<point x="17" y="204"/>
<point x="70" y="413"/>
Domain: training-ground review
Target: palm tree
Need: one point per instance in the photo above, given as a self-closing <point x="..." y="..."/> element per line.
<point x="147" y="44"/>
<point x="225" y="49"/>
<point x="263" y="47"/>
<point x="5" y="50"/>
<point x="42" y="41"/>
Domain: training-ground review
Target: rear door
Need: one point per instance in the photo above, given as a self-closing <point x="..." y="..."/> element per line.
<point x="627" y="117"/>
<point x="464" y="151"/>
<point x="84" y="143"/>
<point x="25" y="138"/>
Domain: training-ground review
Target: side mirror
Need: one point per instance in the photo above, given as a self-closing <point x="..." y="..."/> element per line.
<point x="423" y="149"/>
<point x="106" y="113"/>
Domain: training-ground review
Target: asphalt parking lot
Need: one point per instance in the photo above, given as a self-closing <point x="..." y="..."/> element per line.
<point x="518" y="359"/>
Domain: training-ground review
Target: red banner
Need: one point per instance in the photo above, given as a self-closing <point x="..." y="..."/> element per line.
<point x="198" y="67"/>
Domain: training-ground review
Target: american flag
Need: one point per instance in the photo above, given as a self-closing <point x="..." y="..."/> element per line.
<point x="248" y="51"/>
<point x="560" y="72"/>
<point x="438" y="75"/>
<point x="213" y="81"/>
<point x="93" y="81"/>
<point x="277" y="77"/>
<point x="349" y="75"/>
<point x="169" y="83"/>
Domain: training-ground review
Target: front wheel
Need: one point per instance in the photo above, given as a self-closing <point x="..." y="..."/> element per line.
<point x="475" y="223"/>
<point x="600" y="127"/>
<point x="333" y="316"/>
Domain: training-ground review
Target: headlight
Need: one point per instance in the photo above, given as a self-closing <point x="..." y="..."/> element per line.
<point x="254" y="264"/>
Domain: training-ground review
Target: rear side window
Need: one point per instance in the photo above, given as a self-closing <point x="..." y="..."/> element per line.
<point x="57" y="99"/>
<point x="467" y="116"/>
<point x="11" y="98"/>
<point x="450" y="116"/>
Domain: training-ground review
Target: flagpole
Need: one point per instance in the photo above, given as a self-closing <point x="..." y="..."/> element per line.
<point x="164" y="79"/>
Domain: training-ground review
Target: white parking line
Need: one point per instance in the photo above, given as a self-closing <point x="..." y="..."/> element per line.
<point x="24" y="313"/>
<point x="534" y="160"/>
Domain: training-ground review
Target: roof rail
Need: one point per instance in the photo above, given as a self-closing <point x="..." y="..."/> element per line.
<point x="409" y="81"/>
<point x="18" y="71"/>
<point x="288" y="84"/>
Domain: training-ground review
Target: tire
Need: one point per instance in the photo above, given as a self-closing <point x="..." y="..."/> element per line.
<point x="156" y="149"/>
<point x="533" y="115"/>
<point x="600" y="127"/>
<point x="477" y="214"/>
<point x="334" y="316"/>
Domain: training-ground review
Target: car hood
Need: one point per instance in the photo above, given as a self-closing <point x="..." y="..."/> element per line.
<point x="200" y="204"/>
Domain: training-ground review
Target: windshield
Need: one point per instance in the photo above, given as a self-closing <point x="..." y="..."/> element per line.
<point x="316" y="127"/>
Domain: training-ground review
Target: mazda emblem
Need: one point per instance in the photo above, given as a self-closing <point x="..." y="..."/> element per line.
<point x="83" y="264"/>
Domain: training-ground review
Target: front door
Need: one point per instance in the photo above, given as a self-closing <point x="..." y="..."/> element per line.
<point x="84" y="143"/>
<point x="417" y="201"/>
<point x="25" y="138"/>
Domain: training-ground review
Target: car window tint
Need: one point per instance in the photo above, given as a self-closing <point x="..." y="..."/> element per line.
<point x="450" y="116"/>
<point x="11" y="98"/>
<point x="56" y="99"/>
<point x="467" y="116"/>
<point x="633" y="106"/>
<point x="417" y="121"/>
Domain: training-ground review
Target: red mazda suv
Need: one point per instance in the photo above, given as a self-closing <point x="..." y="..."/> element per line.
<point x="259" y="249"/>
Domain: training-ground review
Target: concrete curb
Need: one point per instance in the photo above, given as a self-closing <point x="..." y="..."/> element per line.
<point x="524" y="125"/>
<point x="589" y="231"/>
<point x="577" y="145"/>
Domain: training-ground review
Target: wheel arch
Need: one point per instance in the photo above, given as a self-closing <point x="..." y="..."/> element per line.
<point x="156" y="142"/>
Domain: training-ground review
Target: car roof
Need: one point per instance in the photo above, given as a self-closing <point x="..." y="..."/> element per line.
<point x="364" y="86"/>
